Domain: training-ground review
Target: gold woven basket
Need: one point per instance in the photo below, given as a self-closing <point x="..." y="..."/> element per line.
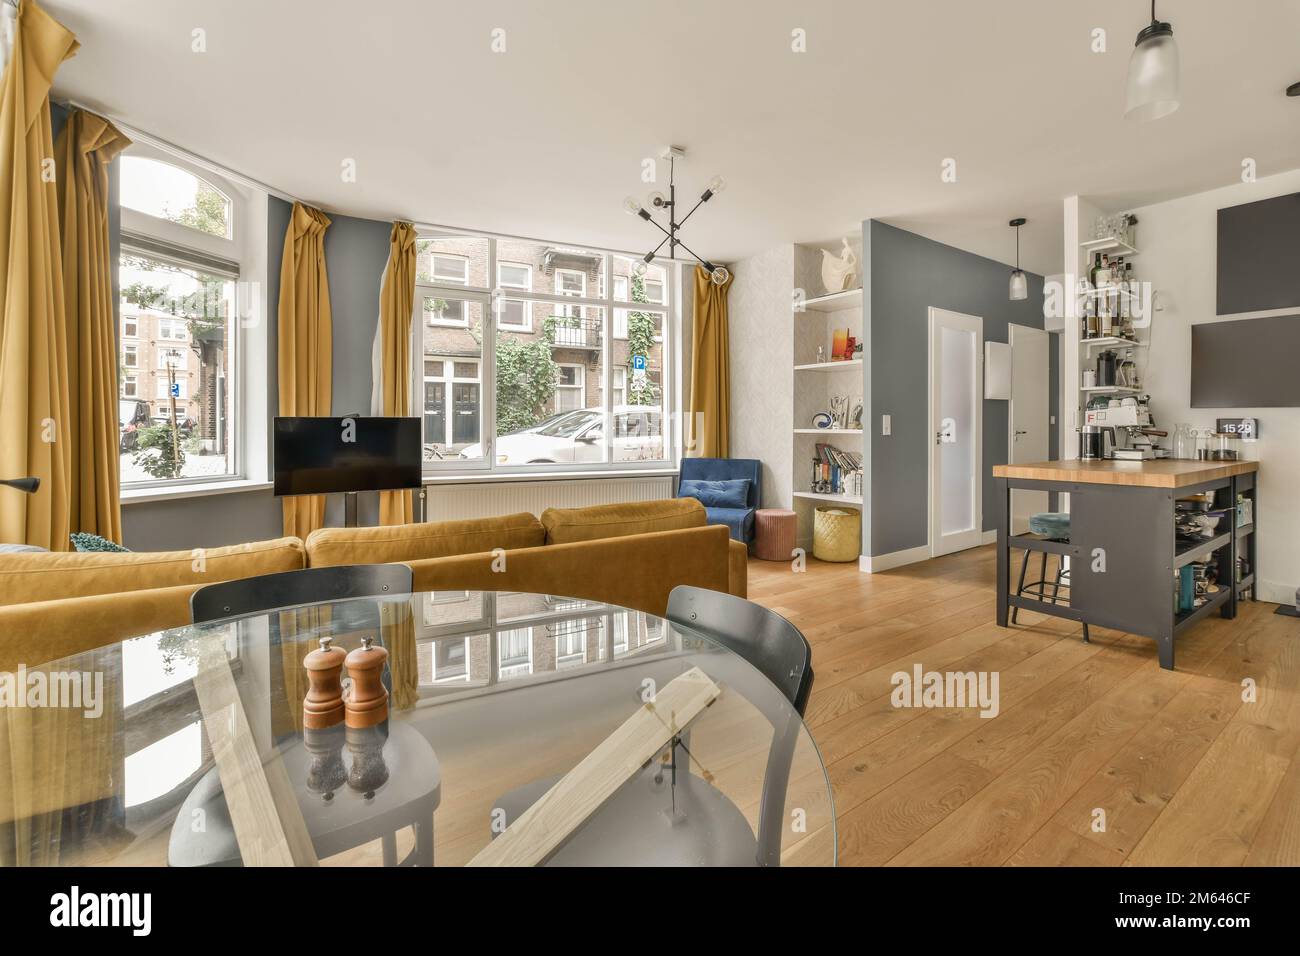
<point x="837" y="534"/>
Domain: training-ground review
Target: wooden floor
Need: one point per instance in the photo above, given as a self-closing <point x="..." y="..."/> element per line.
<point x="1097" y="756"/>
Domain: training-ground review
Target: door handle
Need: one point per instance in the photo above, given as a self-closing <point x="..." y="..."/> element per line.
<point x="938" y="438"/>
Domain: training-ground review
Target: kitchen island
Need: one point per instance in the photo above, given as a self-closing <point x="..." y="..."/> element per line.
<point x="1124" y="552"/>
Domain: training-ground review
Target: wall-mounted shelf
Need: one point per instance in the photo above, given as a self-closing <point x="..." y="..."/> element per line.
<point x="1112" y="341"/>
<point x="852" y="299"/>
<point x="828" y="431"/>
<point x="1107" y="290"/>
<point x="829" y="366"/>
<point x="1108" y="244"/>
<point x="840" y="499"/>
<point x="1110" y="390"/>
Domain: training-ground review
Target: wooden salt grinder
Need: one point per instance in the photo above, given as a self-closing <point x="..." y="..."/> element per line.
<point x="323" y="705"/>
<point x="367" y="704"/>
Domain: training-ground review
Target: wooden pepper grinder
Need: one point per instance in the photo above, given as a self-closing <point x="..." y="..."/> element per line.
<point x="323" y="705"/>
<point x="367" y="704"/>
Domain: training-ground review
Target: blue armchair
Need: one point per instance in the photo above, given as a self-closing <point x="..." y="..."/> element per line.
<point x="739" y="521"/>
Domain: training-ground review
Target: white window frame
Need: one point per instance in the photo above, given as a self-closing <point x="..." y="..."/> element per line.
<point x="130" y="355"/>
<point x="167" y="326"/>
<point x="580" y="376"/>
<point x="442" y="282"/>
<point x="670" y="349"/>
<point x="247" y="345"/>
<point x="130" y="327"/>
<point x="571" y="311"/>
<point x="132" y="379"/>
<point x="620" y="387"/>
<point x="502" y="285"/>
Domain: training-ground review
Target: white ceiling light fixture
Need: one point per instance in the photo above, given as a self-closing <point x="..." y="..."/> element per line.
<point x="1153" y="72"/>
<point x="718" y="274"/>
<point x="1019" y="281"/>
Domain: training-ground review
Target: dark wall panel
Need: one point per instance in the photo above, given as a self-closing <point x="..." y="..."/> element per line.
<point x="1259" y="256"/>
<point x="908" y="275"/>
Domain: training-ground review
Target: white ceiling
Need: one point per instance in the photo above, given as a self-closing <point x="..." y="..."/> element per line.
<point x="546" y="139"/>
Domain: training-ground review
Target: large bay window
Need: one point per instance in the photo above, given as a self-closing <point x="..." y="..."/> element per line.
<point x="185" y="301"/>
<point x="542" y="356"/>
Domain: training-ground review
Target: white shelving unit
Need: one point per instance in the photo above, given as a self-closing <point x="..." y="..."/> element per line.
<point x="1108" y="245"/>
<point x="829" y="366"/>
<point x="1109" y="390"/>
<point x="815" y="382"/>
<point x="1089" y="348"/>
<point x="834" y="302"/>
<point x="840" y="499"/>
<point x="1113" y="342"/>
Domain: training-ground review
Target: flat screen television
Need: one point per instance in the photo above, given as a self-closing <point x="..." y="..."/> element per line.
<point x="320" y="456"/>
<point x="1259" y="248"/>
<point x="1247" y="363"/>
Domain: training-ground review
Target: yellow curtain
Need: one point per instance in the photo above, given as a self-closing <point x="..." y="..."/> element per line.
<point x="34" y="404"/>
<point x="708" y="425"/>
<point x="84" y="149"/>
<point x="396" y="300"/>
<point x="305" y="343"/>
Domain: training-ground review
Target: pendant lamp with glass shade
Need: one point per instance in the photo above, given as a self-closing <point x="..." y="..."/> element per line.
<point x="1019" y="282"/>
<point x="1153" y="72"/>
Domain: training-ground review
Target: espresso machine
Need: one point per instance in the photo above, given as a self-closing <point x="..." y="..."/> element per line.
<point x="1130" y="415"/>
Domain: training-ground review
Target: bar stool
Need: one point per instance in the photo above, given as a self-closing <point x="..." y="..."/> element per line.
<point x="1052" y="526"/>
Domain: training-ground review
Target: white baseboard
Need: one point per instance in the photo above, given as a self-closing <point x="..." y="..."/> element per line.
<point x="872" y="563"/>
<point x="1275" y="592"/>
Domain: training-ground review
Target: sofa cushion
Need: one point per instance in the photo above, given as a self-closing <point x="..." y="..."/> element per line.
<point x="330" y="547"/>
<point x="739" y="521"/>
<point x="86" y="542"/>
<point x="566" y="525"/>
<point x="727" y="493"/>
<point x="637" y="573"/>
<point x="68" y="574"/>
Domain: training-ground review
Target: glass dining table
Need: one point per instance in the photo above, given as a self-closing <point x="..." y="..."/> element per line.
<point x="521" y="729"/>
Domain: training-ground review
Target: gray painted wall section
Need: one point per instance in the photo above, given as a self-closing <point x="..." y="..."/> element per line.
<point x="907" y="275"/>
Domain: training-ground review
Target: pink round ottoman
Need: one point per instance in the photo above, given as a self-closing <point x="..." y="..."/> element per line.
<point x="775" y="532"/>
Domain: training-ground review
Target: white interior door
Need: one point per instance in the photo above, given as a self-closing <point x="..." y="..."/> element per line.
<point x="1027" y="416"/>
<point x="956" y="430"/>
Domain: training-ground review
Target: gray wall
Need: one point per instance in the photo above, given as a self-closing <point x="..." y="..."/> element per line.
<point x="356" y="251"/>
<point x="908" y="274"/>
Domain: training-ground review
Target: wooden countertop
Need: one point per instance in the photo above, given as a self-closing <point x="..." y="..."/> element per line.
<point x="1154" y="473"/>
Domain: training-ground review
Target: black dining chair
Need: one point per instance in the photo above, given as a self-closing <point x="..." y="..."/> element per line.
<point x="266" y="592"/>
<point x="774" y="646"/>
<point x="707" y="827"/>
<point x="216" y="844"/>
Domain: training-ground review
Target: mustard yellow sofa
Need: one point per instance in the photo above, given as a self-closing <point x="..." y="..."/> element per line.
<point x="56" y="604"/>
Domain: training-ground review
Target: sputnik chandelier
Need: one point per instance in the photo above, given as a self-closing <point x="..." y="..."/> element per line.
<point x="658" y="200"/>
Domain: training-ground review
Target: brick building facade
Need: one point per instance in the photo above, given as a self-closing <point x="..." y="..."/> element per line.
<point x="451" y="328"/>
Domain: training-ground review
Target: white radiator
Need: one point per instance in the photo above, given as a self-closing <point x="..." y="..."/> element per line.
<point x="490" y="498"/>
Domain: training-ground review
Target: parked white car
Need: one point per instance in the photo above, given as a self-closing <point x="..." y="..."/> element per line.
<point x="580" y="435"/>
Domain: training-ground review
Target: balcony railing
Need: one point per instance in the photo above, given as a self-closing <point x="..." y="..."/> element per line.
<point x="572" y="332"/>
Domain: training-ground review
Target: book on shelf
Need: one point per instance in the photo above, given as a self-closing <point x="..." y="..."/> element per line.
<point x="837" y="469"/>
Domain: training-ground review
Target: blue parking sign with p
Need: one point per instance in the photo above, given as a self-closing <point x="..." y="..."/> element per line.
<point x="176" y="389"/>
<point x="638" y="363"/>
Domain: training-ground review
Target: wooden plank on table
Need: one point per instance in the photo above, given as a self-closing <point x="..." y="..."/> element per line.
<point x="541" y="828"/>
<point x="269" y="827"/>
